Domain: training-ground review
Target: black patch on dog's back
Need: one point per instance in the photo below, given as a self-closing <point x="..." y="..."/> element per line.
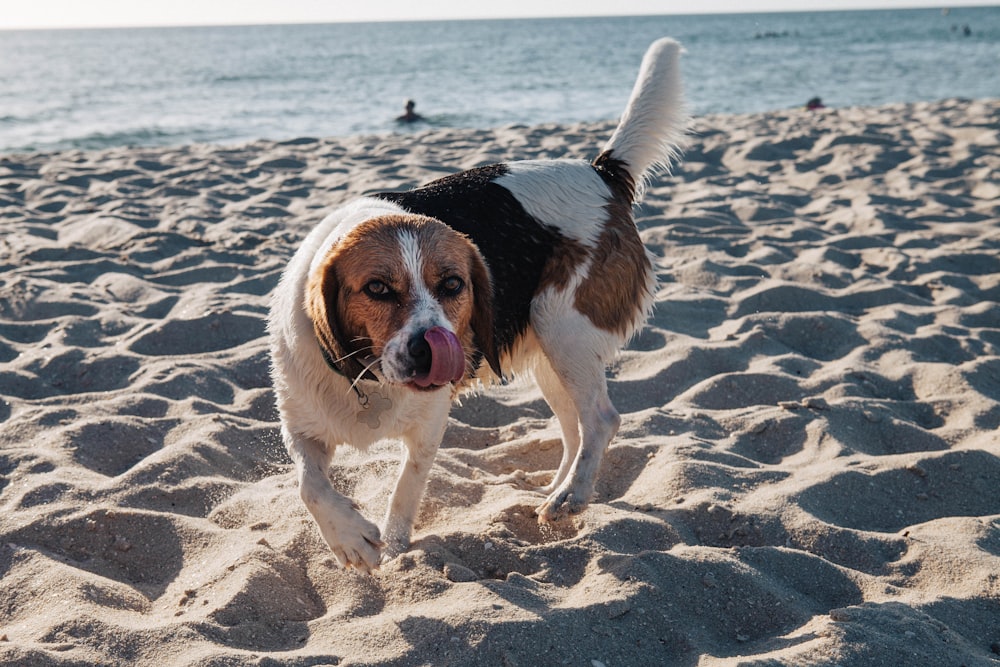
<point x="515" y="245"/>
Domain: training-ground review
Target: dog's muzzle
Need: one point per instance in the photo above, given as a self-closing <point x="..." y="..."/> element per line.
<point x="437" y="356"/>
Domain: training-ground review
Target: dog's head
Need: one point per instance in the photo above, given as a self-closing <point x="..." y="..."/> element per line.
<point x="406" y="298"/>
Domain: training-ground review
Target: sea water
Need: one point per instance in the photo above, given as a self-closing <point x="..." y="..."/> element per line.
<point x="92" y="89"/>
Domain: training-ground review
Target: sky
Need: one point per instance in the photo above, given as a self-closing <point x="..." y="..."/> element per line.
<point x="16" y="14"/>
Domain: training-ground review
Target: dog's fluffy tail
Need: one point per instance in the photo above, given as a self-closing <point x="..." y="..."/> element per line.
<point x="651" y="133"/>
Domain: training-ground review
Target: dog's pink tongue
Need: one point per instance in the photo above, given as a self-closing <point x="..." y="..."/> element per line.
<point x="447" y="358"/>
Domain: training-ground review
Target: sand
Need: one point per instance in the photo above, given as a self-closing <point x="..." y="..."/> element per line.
<point x="807" y="473"/>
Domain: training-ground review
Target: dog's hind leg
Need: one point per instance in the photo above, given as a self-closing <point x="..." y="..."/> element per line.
<point x="581" y="370"/>
<point x="564" y="409"/>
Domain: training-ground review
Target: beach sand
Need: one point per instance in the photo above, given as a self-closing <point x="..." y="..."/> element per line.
<point x="807" y="473"/>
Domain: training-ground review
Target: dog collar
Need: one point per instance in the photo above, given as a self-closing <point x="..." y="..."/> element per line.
<point x="372" y="405"/>
<point x="332" y="363"/>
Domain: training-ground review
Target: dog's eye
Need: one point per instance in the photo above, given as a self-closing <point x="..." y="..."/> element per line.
<point x="377" y="289"/>
<point x="451" y="286"/>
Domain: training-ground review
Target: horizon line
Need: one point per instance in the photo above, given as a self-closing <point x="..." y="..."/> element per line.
<point x="944" y="9"/>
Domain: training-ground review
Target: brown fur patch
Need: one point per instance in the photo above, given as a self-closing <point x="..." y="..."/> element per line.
<point x="613" y="291"/>
<point x="561" y="266"/>
<point x="346" y="337"/>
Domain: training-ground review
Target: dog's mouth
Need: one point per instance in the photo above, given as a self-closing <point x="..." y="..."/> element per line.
<point x="438" y="358"/>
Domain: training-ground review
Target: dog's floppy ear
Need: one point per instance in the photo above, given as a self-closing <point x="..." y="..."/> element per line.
<point x="322" y="295"/>
<point x="482" y="311"/>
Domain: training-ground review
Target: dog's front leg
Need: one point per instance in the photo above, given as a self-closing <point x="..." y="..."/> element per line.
<point x="420" y="447"/>
<point x="354" y="539"/>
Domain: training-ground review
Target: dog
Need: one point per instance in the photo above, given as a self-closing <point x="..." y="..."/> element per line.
<point x="398" y="302"/>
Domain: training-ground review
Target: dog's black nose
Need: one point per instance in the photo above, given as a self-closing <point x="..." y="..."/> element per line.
<point x="420" y="353"/>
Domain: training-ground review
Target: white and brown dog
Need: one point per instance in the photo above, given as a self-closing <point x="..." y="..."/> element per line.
<point x="397" y="302"/>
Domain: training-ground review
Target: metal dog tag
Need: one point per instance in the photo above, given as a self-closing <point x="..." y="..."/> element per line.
<point x="372" y="407"/>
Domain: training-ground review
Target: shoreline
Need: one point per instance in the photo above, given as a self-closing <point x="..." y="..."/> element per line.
<point x="431" y="131"/>
<point x="806" y="471"/>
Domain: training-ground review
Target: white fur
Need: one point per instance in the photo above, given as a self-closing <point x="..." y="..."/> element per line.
<point x="566" y="352"/>
<point x="651" y="131"/>
<point x="337" y="225"/>
<point x="413" y="262"/>
<point x="567" y="194"/>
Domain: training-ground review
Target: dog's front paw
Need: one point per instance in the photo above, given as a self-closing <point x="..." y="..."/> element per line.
<point x="355" y="543"/>
<point x="562" y="502"/>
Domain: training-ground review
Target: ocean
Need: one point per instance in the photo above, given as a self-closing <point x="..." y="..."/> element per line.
<point x="92" y="89"/>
